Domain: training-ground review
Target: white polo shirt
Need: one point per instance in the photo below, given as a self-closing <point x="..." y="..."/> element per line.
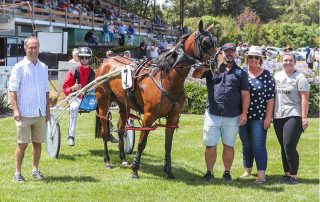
<point x="31" y="84"/>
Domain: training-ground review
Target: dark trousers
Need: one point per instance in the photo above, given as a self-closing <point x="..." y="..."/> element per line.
<point x="121" y="39"/>
<point x="288" y="131"/>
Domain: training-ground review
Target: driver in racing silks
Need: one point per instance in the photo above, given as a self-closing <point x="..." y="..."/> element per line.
<point x="76" y="78"/>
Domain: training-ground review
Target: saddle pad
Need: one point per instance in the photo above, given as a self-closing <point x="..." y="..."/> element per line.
<point x="126" y="77"/>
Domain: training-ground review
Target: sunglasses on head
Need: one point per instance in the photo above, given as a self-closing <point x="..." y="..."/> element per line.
<point x="254" y="56"/>
<point x="84" y="58"/>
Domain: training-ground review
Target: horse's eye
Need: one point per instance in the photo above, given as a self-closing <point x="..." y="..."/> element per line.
<point x="206" y="42"/>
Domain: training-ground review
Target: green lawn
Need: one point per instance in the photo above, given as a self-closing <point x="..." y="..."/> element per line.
<point x="79" y="174"/>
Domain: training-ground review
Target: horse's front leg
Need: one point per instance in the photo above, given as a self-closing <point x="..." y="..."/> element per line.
<point x="171" y="121"/>
<point x="148" y="120"/>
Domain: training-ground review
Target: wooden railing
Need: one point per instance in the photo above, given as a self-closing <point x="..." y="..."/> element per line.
<point x="65" y="18"/>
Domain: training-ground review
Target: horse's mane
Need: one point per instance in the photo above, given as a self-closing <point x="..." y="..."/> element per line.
<point x="166" y="60"/>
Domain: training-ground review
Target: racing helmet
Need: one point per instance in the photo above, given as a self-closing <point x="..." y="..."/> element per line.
<point x="85" y="52"/>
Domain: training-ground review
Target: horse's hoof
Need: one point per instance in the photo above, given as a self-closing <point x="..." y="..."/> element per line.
<point x="171" y="177"/>
<point x="125" y="163"/>
<point x="108" y="166"/>
<point x="135" y="175"/>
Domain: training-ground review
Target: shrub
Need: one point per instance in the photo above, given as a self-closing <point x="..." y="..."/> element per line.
<point x="314" y="100"/>
<point x="196" y="98"/>
<point x="4" y="106"/>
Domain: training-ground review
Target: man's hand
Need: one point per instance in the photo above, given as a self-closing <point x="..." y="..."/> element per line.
<point x="17" y="115"/>
<point x="243" y="119"/>
<point x="198" y="73"/>
<point x="76" y="87"/>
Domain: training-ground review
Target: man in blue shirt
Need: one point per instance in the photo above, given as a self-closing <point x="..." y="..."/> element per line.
<point x="227" y="107"/>
<point x="122" y="31"/>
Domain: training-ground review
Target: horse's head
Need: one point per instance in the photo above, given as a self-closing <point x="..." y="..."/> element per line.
<point x="205" y="45"/>
<point x="201" y="45"/>
<point x="194" y="50"/>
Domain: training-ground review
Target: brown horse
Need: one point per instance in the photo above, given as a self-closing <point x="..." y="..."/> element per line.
<point x="158" y="92"/>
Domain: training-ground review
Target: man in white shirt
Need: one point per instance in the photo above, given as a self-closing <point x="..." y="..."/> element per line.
<point x="29" y="94"/>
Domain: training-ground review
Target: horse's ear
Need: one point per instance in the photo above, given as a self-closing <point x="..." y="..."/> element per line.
<point x="200" y="28"/>
<point x="210" y="28"/>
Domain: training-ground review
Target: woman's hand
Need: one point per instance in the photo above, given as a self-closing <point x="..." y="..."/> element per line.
<point x="266" y="123"/>
<point x="304" y="123"/>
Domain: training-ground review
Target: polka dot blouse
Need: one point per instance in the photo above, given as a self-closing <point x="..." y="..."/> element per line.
<point x="261" y="89"/>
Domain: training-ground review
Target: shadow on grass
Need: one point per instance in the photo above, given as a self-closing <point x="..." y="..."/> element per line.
<point x="70" y="157"/>
<point x="153" y="165"/>
<point x="70" y="179"/>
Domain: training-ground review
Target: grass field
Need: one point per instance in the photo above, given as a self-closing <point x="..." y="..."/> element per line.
<point x="79" y="174"/>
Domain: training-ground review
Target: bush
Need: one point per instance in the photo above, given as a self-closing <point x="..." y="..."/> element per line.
<point x="196" y="98"/>
<point x="314" y="100"/>
<point x="4" y="106"/>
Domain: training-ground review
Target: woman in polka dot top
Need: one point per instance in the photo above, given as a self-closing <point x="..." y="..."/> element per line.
<point x="254" y="133"/>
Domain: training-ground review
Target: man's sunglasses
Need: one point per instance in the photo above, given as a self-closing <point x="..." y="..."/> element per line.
<point x="254" y="56"/>
<point x="84" y="58"/>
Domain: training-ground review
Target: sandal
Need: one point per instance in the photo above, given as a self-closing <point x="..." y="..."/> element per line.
<point x="260" y="181"/>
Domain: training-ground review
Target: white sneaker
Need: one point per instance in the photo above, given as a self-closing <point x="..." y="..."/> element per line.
<point x="71" y="141"/>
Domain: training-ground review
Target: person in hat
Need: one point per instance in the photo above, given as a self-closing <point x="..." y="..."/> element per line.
<point x="127" y="54"/>
<point x="109" y="54"/>
<point x="253" y="134"/>
<point x="227" y="107"/>
<point x="75" y="79"/>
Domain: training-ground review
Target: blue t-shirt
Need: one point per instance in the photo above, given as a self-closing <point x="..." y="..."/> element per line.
<point x="262" y="89"/>
<point x="224" y="91"/>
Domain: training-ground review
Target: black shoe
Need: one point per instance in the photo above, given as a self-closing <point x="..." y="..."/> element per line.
<point x="291" y="181"/>
<point x="226" y="176"/>
<point x="208" y="177"/>
<point x="284" y="179"/>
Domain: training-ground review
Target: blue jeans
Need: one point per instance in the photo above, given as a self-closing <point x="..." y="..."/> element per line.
<point x="253" y="137"/>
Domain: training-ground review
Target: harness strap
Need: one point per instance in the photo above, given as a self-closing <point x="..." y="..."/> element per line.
<point x="155" y="126"/>
<point x="134" y="101"/>
<point x="107" y="117"/>
<point x="172" y="98"/>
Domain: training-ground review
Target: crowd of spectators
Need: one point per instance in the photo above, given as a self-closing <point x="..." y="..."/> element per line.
<point x="120" y="28"/>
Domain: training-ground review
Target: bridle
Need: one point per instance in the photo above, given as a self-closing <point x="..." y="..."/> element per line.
<point x="203" y="42"/>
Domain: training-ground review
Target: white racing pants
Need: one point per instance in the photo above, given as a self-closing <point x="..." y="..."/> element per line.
<point x="74" y="108"/>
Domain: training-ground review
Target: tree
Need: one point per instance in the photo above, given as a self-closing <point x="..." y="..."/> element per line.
<point x="247" y="16"/>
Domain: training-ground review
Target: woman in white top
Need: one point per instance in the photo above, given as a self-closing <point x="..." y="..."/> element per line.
<point x="154" y="51"/>
<point x="290" y="114"/>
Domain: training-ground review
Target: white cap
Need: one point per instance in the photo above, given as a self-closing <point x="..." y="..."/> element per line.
<point x="255" y="50"/>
